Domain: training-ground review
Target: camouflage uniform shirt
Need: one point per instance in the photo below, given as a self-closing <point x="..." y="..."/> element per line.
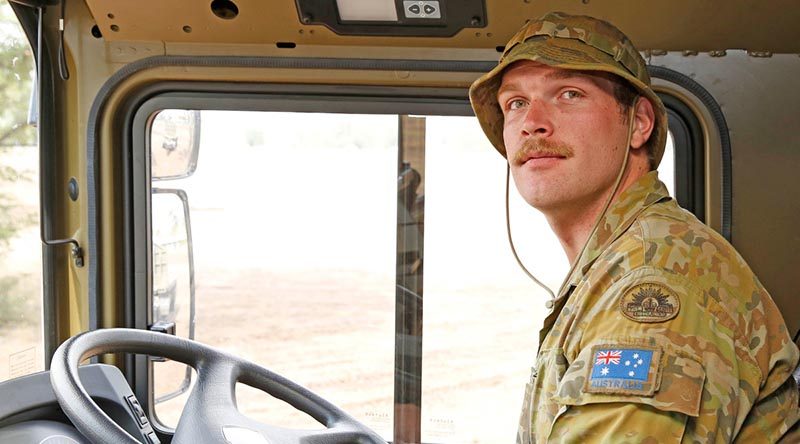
<point x="662" y="334"/>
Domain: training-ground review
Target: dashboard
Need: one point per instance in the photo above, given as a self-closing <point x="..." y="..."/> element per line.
<point x="30" y="412"/>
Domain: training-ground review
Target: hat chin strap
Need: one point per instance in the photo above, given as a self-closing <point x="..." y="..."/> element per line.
<point x="618" y="182"/>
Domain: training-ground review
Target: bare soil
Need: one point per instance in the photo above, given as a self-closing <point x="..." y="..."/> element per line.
<point x="338" y="341"/>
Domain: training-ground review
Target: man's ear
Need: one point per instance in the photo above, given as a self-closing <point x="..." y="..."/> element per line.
<point x="644" y="120"/>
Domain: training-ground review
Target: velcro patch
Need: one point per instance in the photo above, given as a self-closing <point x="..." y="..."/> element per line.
<point x="650" y="302"/>
<point x="624" y="370"/>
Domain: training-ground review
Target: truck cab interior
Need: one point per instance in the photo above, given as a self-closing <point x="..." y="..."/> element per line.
<point x="243" y="221"/>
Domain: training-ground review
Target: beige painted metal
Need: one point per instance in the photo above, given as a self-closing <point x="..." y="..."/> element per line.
<point x="669" y="25"/>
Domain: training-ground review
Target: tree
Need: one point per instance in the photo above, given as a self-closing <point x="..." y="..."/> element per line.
<point x="16" y="67"/>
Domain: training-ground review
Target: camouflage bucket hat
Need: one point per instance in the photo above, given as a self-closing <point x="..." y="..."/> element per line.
<point x="568" y="42"/>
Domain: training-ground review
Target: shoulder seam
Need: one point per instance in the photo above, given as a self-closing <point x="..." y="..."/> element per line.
<point x="644" y="236"/>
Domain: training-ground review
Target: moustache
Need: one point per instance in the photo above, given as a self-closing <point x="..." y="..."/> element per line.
<point x="540" y="147"/>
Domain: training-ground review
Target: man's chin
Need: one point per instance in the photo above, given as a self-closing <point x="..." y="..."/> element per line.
<point x="542" y="201"/>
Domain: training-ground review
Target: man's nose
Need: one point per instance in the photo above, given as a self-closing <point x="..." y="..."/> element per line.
<point x="538" y="120"/>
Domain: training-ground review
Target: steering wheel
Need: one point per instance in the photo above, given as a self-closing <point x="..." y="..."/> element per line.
<point x="210" y="414"/>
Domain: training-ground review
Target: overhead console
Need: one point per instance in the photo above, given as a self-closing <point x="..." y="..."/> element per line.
<point x="409" y="18"/>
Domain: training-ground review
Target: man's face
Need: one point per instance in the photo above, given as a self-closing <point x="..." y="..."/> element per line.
<point x="564" y="135"/>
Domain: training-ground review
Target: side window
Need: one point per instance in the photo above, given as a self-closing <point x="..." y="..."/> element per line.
<point x="293" y="232"/>
<point x="666" y="169"/>
<point x="362" y="256"/>
<point x="21" y="343"/>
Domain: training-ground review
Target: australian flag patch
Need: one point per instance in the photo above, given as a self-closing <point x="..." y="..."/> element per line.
<point x="623" y="370"/>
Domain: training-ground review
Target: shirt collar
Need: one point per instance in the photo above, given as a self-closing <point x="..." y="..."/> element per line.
<point x="621" y="214"/>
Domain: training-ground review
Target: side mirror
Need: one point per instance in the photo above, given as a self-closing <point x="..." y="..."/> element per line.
<point x="175" y="144"/>
<point x="173" y="278"/>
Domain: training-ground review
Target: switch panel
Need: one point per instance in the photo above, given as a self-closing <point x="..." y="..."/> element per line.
<point x="422" y="9"/>
<point x="137" y="410"/>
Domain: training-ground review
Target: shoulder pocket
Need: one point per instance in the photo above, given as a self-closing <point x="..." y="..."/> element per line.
<point x="634" y="371"/>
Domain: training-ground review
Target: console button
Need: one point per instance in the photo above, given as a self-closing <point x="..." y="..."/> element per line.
<point x="137" y="410"/>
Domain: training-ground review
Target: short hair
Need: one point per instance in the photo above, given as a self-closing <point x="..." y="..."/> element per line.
<point x="627" y="96"/>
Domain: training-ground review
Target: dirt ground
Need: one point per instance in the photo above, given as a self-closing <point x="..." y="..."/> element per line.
<point x="339" y="343"/>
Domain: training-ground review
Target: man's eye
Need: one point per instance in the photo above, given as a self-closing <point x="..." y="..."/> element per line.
<point x="571" y="94"/>
<point x="516" y="104"/>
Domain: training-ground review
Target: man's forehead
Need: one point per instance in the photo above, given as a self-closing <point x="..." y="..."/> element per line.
<point x="548" y="73"/>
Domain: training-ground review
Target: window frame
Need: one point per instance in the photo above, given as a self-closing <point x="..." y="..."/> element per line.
<point x="276" y="98"/>
<point x="687" y="136"/>
<point x="695" y="114"/>
<point x="48" y="119"/>
<point x="309" y="98"/>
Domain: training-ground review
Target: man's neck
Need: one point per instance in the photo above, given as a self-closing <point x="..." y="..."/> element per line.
<point x="573" y="224"/>
<point x="574" y="227"/>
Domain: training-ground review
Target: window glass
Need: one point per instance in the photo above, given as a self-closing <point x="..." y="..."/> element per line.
<point x="666" y="169"/>
<point x="366" y="258"/>
<point x="482" y="313"/>
<point x="293" y="229"/>
<point x="21" y="343"/>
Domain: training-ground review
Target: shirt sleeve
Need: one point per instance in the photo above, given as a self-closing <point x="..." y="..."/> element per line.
<point x="618" y="423"/>
<point x="628" y="389"/>
<point x="699" y="381"/>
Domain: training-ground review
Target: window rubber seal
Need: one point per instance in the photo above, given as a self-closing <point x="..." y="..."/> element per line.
<point x="707" y="100"/>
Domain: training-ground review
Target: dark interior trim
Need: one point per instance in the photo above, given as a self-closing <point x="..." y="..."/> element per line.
<point x="687" y="136"/>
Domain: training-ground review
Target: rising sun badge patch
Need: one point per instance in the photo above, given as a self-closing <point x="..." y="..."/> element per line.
<point x="650" y="302"/>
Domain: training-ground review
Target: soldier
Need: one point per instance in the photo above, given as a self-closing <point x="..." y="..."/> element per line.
<point x="661" y="332"/>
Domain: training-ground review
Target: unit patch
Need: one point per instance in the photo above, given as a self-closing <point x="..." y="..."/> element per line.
<point x="650" y="302"/>
<point x="624" y="370"/>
